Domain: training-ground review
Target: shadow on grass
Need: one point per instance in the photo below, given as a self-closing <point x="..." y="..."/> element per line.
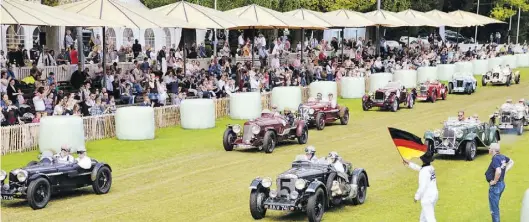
<point x="479" y="153"/>
<point x="302" y="216"/>
<point x="58" y="196"/>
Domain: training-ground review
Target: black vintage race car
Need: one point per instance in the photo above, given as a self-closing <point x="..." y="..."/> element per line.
<point x="39" y="180"/>
<point x="309" y="187"/>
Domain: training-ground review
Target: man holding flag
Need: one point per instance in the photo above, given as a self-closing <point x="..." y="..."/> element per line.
<point x="411" y="146"/>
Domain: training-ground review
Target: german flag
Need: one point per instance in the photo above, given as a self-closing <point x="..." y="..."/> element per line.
<point x="408" y="145"/>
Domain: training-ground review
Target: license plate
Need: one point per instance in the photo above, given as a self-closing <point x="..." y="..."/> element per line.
<point x="447" y="152"/>
<point x="7" y="197"/>
<point x="277" y="207"/>
<point x="506" y="126"/>
<point x="243" y="146"/>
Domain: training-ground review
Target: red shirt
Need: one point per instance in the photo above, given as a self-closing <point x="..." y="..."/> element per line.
<point x="73" y="57"/>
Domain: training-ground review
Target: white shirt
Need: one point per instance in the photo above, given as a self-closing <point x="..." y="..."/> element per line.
<point x="64" y="159"/>
<point x="38" y="102"/>
<point x="275" y="63"/>
<point x="254" y="83"/>
<point x="427" y="190"/>
<point x="338" y="165"/>
<point x="241" y="40"/>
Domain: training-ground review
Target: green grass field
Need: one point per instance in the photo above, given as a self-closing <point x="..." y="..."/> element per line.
<point x="185" y="175"/>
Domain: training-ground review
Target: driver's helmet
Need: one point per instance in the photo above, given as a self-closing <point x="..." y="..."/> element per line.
<point x="310" y="150"/>
<point x="333" y="156"/>
<point x="509" y="101"/>
<point x="286" y="111"/>
<point x="274" y="106"/>
<point x="522" y="101"/>
<point x="475" y="116"/>
<point x="319" y="96"/>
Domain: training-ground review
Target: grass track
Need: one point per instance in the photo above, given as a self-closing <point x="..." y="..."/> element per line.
<point x="185" y="175"/>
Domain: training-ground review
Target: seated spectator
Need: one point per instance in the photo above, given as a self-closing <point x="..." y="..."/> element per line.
<point x="146" y="101"/>
<point x="111" y="106"/>
<point x="126" y="95"/>
<point x="77" y="110"/>
<point x="97" y="108"/>
<point x="12" y="114"/>
<point x="37" y="118"/>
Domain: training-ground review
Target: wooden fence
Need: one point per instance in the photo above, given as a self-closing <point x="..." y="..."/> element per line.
<point x="23" y="138"/>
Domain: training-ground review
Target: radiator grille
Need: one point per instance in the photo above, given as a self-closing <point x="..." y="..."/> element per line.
<point x="379" y="95"/>
<point x="285" y="186"/>
<point x="247" y="133"/>
<point x="448" y="133"/>
<point x="459" y="83"/>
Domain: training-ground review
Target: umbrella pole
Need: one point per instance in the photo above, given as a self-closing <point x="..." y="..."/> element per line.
<point x="343" y="42"/>
<point x="253" y="45"/>
<point x="457" y="38"/>
<point x="302" y="44"/>
<point x="377" y="44"/>
<point x="184" y="49"/>
<point x="408" y="37"/>
<point x="104" y="53"/>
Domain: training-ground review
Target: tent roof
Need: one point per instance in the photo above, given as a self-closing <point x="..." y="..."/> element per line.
<point x="472" y="19"/>
<point x="420" y="18"/>
<point x="318" y="18"/>
<point x="264" y="18"/>
<point x="205" y="16"/>
<point x="135" y="3"/>
<point x="387" y="18"/>
<point x="354" y="19"/>
<point x="126" y="14"/>
<point x="29" y="13"/>
<point x="444" y="18"/>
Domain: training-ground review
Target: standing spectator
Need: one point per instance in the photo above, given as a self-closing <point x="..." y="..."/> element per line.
<point x="427" y="192"/>
<point x="38" y="100"/>
<point x="495" y="176"/>
<point x="74" y="60"/>
<point x="136" y="48"/>
<point x="4" y="81"/>
<point x="3" y="59"/>
<point x="68" y="40"/>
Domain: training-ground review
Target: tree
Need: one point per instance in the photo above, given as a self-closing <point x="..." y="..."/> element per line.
<point x="504" y="9"/>
<point x="396" y="5"/>
<point x="51" y="3"/>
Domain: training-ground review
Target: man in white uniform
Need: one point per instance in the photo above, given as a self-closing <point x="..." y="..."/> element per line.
<point x="64" y="156"/>
<point x="427" y="192"/>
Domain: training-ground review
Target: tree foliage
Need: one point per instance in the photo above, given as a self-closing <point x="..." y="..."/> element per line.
<point x="396" y="5"/>
<point x="504" y="9"/>
<point x="51" y="3"/>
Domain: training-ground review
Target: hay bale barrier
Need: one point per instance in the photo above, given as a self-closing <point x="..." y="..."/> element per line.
<point x="246" y="105"/>
<point x="479" y="66"/>
<point x="56" y="131"/>
<point x="445" y="72"/>
<point x="408" y="78"/>
<point x="197" y="114"/>
<point x="325" y="88"/>
<point x="379" y="80"/>
<point x="426" y="74"/>
<point x="352" y="87"/>
<point x="135" y="123"/>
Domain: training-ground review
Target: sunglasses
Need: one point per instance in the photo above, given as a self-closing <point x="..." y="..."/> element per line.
<point x="65" y="150"/>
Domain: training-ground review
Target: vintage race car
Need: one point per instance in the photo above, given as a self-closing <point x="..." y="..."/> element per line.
<point x="390" y="97"/>
<point x="265" y="132"/>
<point x="501" y="76"/>
<point x="431" y="91"/>
<point x="320" y="113"/>
<point x="461" y="137"/>
<point x="511" y="117"/>
<point x="462" y="83"/>
<point x="309" y="187"/>
<point x="39" y="180"/>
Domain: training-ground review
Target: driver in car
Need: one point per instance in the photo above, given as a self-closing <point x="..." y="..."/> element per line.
<point x="521" y="103"/>
<point x="310" y="152"/>
<point x="332" y="103"/>
<point x="506" y="70"/>
<point x="335" y="161"/>
<point x="338" y="187"/>
<point x="497" y="69"/>
<point x="461" y="116"/>
<point x="274" y="110"/>
<point x="64" y="156"/>
<point x="289" y="116"/>
<point x="318" y="98"/>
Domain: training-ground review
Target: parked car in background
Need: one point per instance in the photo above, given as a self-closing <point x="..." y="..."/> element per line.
<point x="461" y="137"/>
<point x="501" y="76"/>
<point x="431" y="91"/>
<point x="462" y="83"/>
<point x="265" y="132"/>
<point x="389" y="98"/>
<point x="309" y="187"/>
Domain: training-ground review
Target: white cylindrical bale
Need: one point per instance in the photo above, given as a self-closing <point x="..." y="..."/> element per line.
<point x="408" y="78"/>
<point x="323" y="87"/>
<point x="135" y="123"/>
<point x="522" y="60"/>
<point x="510" y="60"/>
<point x="286" y="97"/>
<point x="379" y="80"/>
<point x="246" y="105"/>
<point x="426" y="74"/>
<point x="494" y="62"/>
<point x="197" y="114"/>
<point x="353" y="87"/>
<point x="56" y="131"/>
<point x="464" y="67"/>
<point x="445" y="72"/>
<point x="525" y="207"/>
<point x="480" y="66"/>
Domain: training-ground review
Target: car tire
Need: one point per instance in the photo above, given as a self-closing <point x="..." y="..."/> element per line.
<point x="256" y="204"/>
<point x="344" y="120"/>
<point x="519" y="128"/>
<point x="228" y="139"/>
<point x="469" y="89"/>
<point x="395" y="106"/>
<point x="320" y="121"/>
<point x="450" y="88"/>
<point x="483" y="81"/>
<point x="103" y="181"/>
<point x="361" y="194"/>
<point x="410" y="101"/>
<point x="328" y="184"/>
<point x="434" y="97"/>
<point x="39" y="193"/>
<point x="517" y="79"/>
<point x="316" y="206"/>
<point x="508" y="83"/>
<point x="443" y="96"/>
<point x="269" y="141"/>
<point x="365" y="107"/>
<point x="32" y="163"/>
<point x="304" y="136"/>
<point x="470" y="150"/>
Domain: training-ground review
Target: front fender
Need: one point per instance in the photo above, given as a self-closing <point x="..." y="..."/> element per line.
<point x="96" y="168"/>
<point x="356" y="174"/>
<point x="36" y="176"/>
<point x="256" y="183"/>
<point x="299" y="129"/>
<point x="314" y="186"/>
<point x="470" y="136"/>
<point x="365" y="98"/>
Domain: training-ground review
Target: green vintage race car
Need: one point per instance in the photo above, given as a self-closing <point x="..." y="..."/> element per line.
<point x="461" y="137"/>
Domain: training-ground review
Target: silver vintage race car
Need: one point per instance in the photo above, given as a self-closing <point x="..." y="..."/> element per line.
<point x="512" y="116"/>
<point x="462" y="83"/>
<point x="501" y="76"/>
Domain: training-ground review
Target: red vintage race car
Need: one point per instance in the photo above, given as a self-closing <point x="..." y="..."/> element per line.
<point x="265" y="132"/>
<point x="431" y="91"/>
<point x="389" y="98"/>
<point x="318" y="113"/>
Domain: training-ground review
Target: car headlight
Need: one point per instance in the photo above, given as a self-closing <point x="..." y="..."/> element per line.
<point x="459" y="133"/>
<point x="311" y="111"/>
<point x="387" y="93"/>
<point x="371" y="94"/>
<point x="294" y="195"/>
<point x="437" y="133"/>
<point x="22" y="175"/>
<point x="300" y="184"/>
<point x="273" y="193"/>
<point x="256" y="129"/>
<point x="236" y="128"/>
<point x="266" y="182"/>
<point x="3" y="175"/>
